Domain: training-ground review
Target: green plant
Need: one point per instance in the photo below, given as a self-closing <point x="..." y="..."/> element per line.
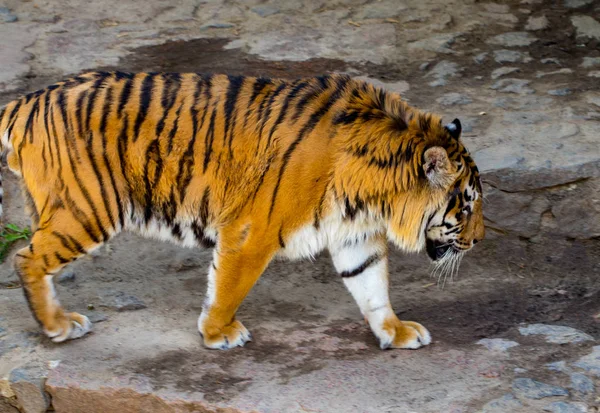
<point x="10" y="234"/>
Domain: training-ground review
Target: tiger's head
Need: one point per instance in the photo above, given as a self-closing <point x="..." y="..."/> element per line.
<point x="457" y="224"/>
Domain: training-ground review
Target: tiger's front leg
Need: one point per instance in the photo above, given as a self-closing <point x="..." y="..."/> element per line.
<point x="233" y="272"/>
<point x="364" y="269"/>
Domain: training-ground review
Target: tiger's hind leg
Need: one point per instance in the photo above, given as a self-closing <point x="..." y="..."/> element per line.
<point x="51" y="248"/>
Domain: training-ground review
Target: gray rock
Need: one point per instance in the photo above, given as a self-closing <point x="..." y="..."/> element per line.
<point x="574" y="4"/>
<point x="537" y="23"/>
<point x="533" y="389"/>
<point x="586" y="26"/>
<point x="566" y="407"/>
<point x="27" y="383"/>
<point x="511" y="56"/>
<point x="424" y="66"/>
<point x="380" y="10"/>
<point x="581" y="383"/>
<point x="591" y="362"/>
<point x="502" y="71"/>
<point x="6" y="16"/>
<point x="512" y="39"/>
<point x="450" y="99"/>
<point x="506" y="403"/>
<point x="512" y="85"/>
<point x="264" y="10"/>
<point x="125" y="302"/>
<point x="594" y="99"/>
<point x="556" y="334"/>
<point x="216" y="25"/>
<point x="497" y="344"/>
<point x="590" y="62"/>
<point x="96" y="317"/>
<point x="481" y="57"/>
<point x="594" y="73"/>
<point x="560" y="92"/>
<point x="66" y="277"/>
<point x="441" y="72"/>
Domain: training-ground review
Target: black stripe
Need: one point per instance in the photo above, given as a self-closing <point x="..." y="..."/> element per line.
<point x="122" y="145"/>
<point x="29" y="125"/>
<point x="174" y="129"/>
<point x="47" y="126"/>
<point x="61" y="259"/>
<point x="306" y="129"/>
<point x="204" y="206"/>
<point x="64" y="241"/>
<point x="84" y="191"/>
<point x="284" y="108"/>
<point x="90" y="104"/>
<point x="145" y="101"/>
<point x="360" y="269"/>
<point x="281" y="242"/>
<point x="125" y="94"/>
<point x="78" y="110"/>
<point x="233" y="90"/>
<point x="171" y="85"/>
<point x="12" y="118"/>
<point x="210" y="135"/>
<point x="80" y="217"/>
<point x="176" y="231"/>
<point x="269" y="107"/>
<point x="58" y="157"/>
<point x="90" y="152"/>
<point x="152" y="154"/>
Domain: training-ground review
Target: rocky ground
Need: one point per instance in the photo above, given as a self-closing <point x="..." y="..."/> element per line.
<point x="516" y="332"/>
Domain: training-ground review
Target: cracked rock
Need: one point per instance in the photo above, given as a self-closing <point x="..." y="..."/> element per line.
<point x="574" y="4"/>
<point x="537" y="23"/>
<point x="566" y="407"/>
<point x="497" y="344"/>
<point x="560" y="92"/>
<point x="506" y="403"/>
<point x="501" y="71"/>
<point x="512" y="85"/>
<point x="511" y="56"/>
<point x="512" y="39"/>
<point x="533" y="389"/>
<point x="590" y="62"/>
<point x="27" y="383"/>
<point x="441" y="72"/>
<point x="125" y="302"/>
<point x="591" y="362"/>
<point x="586" y="26"/>
<point x="556" y="334"/>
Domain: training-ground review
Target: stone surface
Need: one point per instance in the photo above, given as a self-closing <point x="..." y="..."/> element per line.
<point x="512" y="39"/>
<point x="6" y="16"/>
<point x="497" y="344"/>
<point x="537" y="23"/>
<point x="439" y="43"/>
<point x="512" y="85"/>
<point x="586" y="26"/>
<point x="27" y="383"/>
<point x="441" y="72"/>
<point x="503" y="404"/>
<point x="556" y="334"/>
<point x="590" y="62"/>
<point x="558" y="366"/>
<point x="121" y="301"/>
<point x="502" y="71"/>
<point x="450" y="99"/>
<point x="400" y="87"/>
<point x="560" y="92"/>
<point x="581" y="383"/>
<point x="566" y="407"/>
<point x="590" y="362"/>
<point x="574" y="4"/>
<point x="481" y="57"/>
<point x="533" y="389"/>
<point x="511" y="56"/>
<point x="265" y="10"/>
<point x="65" y="277"/>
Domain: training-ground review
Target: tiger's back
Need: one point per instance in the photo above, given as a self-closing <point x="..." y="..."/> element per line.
<point x="254" y="166"/>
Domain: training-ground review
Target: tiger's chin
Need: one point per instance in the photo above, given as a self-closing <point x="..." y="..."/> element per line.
<point x="445" y="260"/>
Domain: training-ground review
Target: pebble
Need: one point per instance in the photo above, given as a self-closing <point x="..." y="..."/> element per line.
<point x="125" y="302"/>
<point x="97" y="317"/>
<point x="424" y="66"/>
<point x="560" y="92"/>
<point x="66" y="277"/>
<point x="590" y="62"/>
<point x="556" y="334"/>
<point x="512" y="39"/>
<point x="581" y="383"/>
<point x="550" y="60"/>
<point x="566" y="407"/>
<point x="512" y="85"/>
<point x="591" y="362"/>
<point x="481" y="57"/>
<point x="265" y="10"/>
<point x="497" y="344"/>
<point x="501" y="71"/>
<point x="586" y="26"/>
<point x="537" y="23"/>
<point x="6" y="16"/>
<point x="450" y="99"/>
<point x="594" y="73"/>
<point x="533" y="389"/>
<point x="441" y="72"/>
<point x="558" y="366"/>
<point x="506" y="403"/>
<point x="216" y="25"/>
<point x="439" y="43"/>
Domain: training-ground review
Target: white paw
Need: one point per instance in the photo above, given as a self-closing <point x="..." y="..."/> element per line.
<point x="75" y="329"/>
<point x="230" y="336"/>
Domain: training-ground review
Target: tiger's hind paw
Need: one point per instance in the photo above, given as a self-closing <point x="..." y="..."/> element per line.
<point x="404" y="334"/>
<point x="69" y="327"/>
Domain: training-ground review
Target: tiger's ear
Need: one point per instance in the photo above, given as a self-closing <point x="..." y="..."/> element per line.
<point x="437" y="167"/>
<point x="454" y="128"/>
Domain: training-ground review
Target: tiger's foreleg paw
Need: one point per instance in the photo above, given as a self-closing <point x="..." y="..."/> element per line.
<point x="403" y="334"/>
<point x="68" y="327"/>
<point x="224" y="338"/>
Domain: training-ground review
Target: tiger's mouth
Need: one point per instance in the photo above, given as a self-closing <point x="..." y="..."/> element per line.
<point x="437" y="250"/>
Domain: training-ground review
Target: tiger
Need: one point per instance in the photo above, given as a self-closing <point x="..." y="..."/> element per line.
<point x="252" y="167"/>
